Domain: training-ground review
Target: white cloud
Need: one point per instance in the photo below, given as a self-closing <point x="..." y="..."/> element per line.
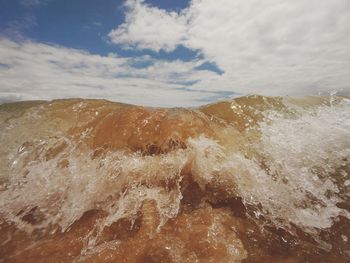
<point x="271" y="47"/>
<point x="30" y="70"/>
<point x="6" y="97"/>
<point x="150" y="28"/>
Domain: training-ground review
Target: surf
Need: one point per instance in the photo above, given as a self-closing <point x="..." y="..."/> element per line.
<point x="249" y="179"/>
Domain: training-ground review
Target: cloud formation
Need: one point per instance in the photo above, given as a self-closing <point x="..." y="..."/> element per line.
<point x="30" y="70"/>
<point x="272" y="47"/>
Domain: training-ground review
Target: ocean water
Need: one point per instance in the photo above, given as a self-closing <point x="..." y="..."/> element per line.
<point x="253" y="179"/>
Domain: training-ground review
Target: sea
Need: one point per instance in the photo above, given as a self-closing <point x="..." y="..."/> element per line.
<point x="249" y="179"/>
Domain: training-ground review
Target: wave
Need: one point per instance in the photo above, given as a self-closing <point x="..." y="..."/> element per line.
<point x="249" y="179"/>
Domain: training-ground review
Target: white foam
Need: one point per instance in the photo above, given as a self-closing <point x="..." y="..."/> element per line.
<point x="301" y="152"/>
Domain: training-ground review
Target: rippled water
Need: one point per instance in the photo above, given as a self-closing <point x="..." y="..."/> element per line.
<point x="254" y="179"/>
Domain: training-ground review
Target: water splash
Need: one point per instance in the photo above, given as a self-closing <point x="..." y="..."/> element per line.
<point x="287" y="160"/>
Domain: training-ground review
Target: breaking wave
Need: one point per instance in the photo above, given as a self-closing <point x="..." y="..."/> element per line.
<point x="254" y="178"/>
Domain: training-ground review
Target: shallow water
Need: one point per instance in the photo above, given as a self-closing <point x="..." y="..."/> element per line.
<point x="254" y="179"/>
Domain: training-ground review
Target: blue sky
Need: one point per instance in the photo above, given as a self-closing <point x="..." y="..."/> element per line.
<point x="80" y="24"/>
<point x="172" y="53"/>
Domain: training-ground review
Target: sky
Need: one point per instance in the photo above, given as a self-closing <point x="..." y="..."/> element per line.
<point x="173" y="52"/>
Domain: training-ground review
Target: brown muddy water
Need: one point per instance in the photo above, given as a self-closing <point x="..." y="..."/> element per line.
<point x="253" y="179"/>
